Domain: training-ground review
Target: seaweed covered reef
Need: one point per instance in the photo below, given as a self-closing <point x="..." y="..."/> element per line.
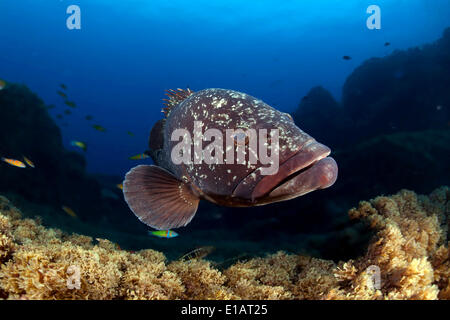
<point x="410" y="250"/>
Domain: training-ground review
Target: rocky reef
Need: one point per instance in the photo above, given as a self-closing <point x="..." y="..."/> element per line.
<point x="59" y="177"/>
<point x="320" y="107"/>
<point x="26" y="129"/>
<point x="391" y="130"/>
<point x="405" y="91"/>
<point x="409" y="252"/>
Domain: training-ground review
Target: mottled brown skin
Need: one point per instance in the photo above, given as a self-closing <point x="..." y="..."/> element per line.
<point x="167" y="195"/>
<point x="233" y="184"/>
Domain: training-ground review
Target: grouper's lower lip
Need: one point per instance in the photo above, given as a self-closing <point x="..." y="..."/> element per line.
<point x="309" y="170"/>
<point x="322" y="174"/>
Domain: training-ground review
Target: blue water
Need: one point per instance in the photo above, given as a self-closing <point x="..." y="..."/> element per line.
<point x="128" y="52"/>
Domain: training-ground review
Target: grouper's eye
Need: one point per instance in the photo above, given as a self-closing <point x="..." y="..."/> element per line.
<point x="240" y="138"/>
<point x="289" y="116"/>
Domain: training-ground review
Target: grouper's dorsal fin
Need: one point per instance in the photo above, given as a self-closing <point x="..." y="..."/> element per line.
<point x="174" y="98"/>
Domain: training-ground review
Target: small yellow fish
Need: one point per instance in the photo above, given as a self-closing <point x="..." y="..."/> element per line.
<point x="2" y="84"/>
<point x="139" y="156"/>
<point x="13" y="162"/>
<point x="98" y="128"/>
<point x="63" y="86"/>
<point x="79" y="144"/>
<point x="120" y="186"/>
<point x="69" y="211"/>
<point x="70" y="104"/>
<point x="29" y="162"/>
<point x="131" y="134"/>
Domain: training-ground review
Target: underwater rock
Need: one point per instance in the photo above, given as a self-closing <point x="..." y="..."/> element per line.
<point x="59" y="177"/>
<point x="26" y="129"/>
<point x="321" y="116"/>
<point x="391" y="131"/>
<point x="381" y="165"/>
<point x="386" y="163"/>
<point x="410" y="251"/>
<point x="404" y="91"/>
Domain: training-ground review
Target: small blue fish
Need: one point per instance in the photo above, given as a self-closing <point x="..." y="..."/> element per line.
<point x="163" y="233"/>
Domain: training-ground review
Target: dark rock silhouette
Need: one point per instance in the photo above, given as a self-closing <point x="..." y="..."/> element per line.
<point x="321" y="116"/>
<point x="59" y="177"/>
<point x="405" y="91"/>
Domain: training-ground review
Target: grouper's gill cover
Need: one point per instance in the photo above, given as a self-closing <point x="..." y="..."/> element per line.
<point x="166" y="196"/>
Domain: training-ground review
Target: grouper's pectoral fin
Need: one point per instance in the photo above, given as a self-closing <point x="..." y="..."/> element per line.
<point x="158" y="198"/>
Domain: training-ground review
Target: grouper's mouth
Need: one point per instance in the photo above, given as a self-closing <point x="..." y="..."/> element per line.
<point x="308" y="170"/>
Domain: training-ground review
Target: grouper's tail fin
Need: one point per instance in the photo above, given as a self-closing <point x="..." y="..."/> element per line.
<point x="158" y="198"/>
